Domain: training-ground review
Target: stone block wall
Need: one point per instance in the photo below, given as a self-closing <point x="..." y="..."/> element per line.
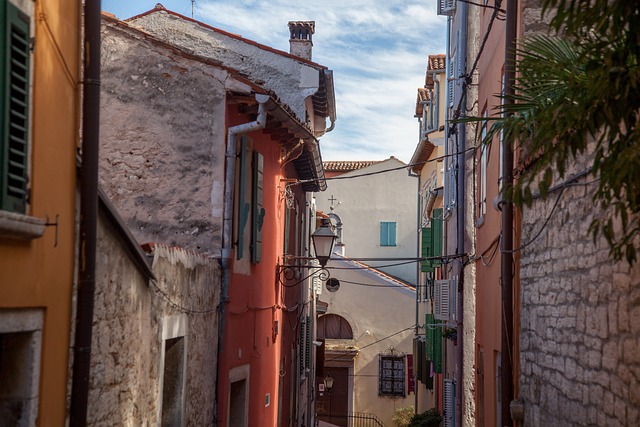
<point x="579" y="319"/>
<point x="130" y="310"/>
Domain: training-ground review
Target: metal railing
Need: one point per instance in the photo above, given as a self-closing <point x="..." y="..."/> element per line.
<point x="354" y="419"/>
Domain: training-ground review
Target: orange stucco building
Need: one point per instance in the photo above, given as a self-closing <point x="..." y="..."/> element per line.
<point x="40" y="107"/>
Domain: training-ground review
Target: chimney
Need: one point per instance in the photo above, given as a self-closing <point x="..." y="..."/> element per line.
<point x="300" y="42"/>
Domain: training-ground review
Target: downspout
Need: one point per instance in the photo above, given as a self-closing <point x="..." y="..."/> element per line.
<point x="229" y="181"/>
<point x="88" y="216"/>
<point x="507" y="223"/>
<point x="461" y="213"/>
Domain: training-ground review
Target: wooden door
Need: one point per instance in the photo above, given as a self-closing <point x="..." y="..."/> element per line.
<point x="333" y="405"/>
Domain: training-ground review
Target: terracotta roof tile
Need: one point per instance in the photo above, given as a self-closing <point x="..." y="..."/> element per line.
<point x="348" y="166"/>
<point x="437" y="62"/>
<point x="423" y="95"/>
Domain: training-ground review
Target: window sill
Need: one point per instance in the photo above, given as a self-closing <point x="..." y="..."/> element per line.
<point x="22" y="227"/>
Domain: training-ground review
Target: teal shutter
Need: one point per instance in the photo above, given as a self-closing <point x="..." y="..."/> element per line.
<point x="427" y="250"/>
<point x="14" y="107"/>
<point x="243" y="206"/>
<point x="258" y="210"/>
<point x="387" y="234"/>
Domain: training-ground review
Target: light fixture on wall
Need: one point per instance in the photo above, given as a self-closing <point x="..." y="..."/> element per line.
<point x="328" y="382"/>
<point x="323" y="240"/>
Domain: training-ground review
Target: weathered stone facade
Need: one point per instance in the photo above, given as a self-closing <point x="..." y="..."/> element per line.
<point x="127" y="359"/>
<point x="579" y="319"/>
<point x="162" y="140"/>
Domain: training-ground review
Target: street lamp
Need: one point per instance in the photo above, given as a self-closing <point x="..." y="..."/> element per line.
<point x="328" y="382"/>
<point x="323" y="241"/>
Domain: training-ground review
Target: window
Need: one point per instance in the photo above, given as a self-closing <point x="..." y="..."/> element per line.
<point x="173" y="364"/>
<point x="14" y="107"/>
<point x="332" y="326"/>
<point x="20" y="349"/>
<point x="391" y="375"/>
<point x="249" y="202"/>
<point x="387" y="234"/>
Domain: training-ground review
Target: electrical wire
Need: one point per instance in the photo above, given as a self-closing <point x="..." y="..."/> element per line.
<point x="375" y="342"/>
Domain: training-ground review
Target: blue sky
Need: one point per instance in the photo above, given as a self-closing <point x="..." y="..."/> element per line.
<point x="377" y="50"/>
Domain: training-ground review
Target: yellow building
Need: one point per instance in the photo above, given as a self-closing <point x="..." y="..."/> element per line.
<point x="39" y="135"/>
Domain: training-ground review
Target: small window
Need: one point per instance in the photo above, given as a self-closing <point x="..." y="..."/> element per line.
<point x="387" y="234"/>
<point x="391" y="375"/>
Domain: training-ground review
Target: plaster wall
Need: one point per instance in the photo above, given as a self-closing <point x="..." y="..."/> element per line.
<point x="291" y="79"/>
<point x="39" y="273"/>
<point x="362" y="203"/>
<point x="488" y="228"/>
<point x="385" y="308"/>
<point x="162" y="140"/>
<point x="126" y="360"/>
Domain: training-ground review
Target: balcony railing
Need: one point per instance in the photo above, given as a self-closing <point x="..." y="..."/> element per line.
<point x="355" y="419"/>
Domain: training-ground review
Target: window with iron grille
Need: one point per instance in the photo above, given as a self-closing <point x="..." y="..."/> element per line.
<point x="391" y="375"/>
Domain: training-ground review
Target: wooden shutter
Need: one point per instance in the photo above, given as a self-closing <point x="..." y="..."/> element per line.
<point x="426" y="266"/>
<point x="437" y="235"/>
<point x="258" y="211"/>
<point x="243" y="207"/>
<point x="446" y="7"/>
<point x="449" y="403"/>
<point x="441" y="296"/>
<point x="433" y="342"/>
<point x="14" y="107"/>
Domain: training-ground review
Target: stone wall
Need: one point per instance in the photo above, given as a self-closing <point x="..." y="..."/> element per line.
<point x="162" y="140"/>
<point x="130" y="309"/>
<point x="579" y="319"/>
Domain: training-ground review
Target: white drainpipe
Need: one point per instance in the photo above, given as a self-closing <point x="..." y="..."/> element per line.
<point x="230" y="162"/>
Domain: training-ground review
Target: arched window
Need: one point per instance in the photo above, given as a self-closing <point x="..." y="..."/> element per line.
<point x="332" y="326"/>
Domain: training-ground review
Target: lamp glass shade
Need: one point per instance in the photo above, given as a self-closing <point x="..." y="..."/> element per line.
<point x="328" y="382"/>
<point x="323" y="242"/>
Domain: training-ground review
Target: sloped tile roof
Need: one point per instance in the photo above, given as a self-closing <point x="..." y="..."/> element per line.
<point x="423" y="95"/>
<point x="437" y="62"/>
<point x="348" y="166"/>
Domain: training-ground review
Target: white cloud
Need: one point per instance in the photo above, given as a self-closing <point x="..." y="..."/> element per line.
<point x="377" y="49"/>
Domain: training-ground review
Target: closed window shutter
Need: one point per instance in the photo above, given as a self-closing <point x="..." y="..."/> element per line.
<point x="387" y="234"/>
<point x="14" y="108"/>
<point x="426" y="266"/>
<point x="434" y="343"/>
<point x="449" y="403"/>
<point x="258" y="210"/>
<point x="243" y="206"/>
<point x="436" y="227"/>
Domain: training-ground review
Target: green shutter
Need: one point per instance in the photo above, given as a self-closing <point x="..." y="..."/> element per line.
<point x="437" y="235"/>
<point x="434" y="342"/>
<point x="427" y="250"/>
<point x="258" y="211"/>
<point x="14" y="107"/>
<point x="243" y="206"/>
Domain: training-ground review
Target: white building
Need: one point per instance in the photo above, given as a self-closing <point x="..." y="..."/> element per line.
<point x="374" y="205"/>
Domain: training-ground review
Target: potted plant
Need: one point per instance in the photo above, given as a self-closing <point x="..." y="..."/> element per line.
<point x="430" y="418"/>
<point x="450" y="334"/>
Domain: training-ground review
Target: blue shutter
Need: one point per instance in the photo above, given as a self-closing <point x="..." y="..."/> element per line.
<point x="258" y="210"/>
<point x="14" y="107"/>
<point x="387" y="234"/>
